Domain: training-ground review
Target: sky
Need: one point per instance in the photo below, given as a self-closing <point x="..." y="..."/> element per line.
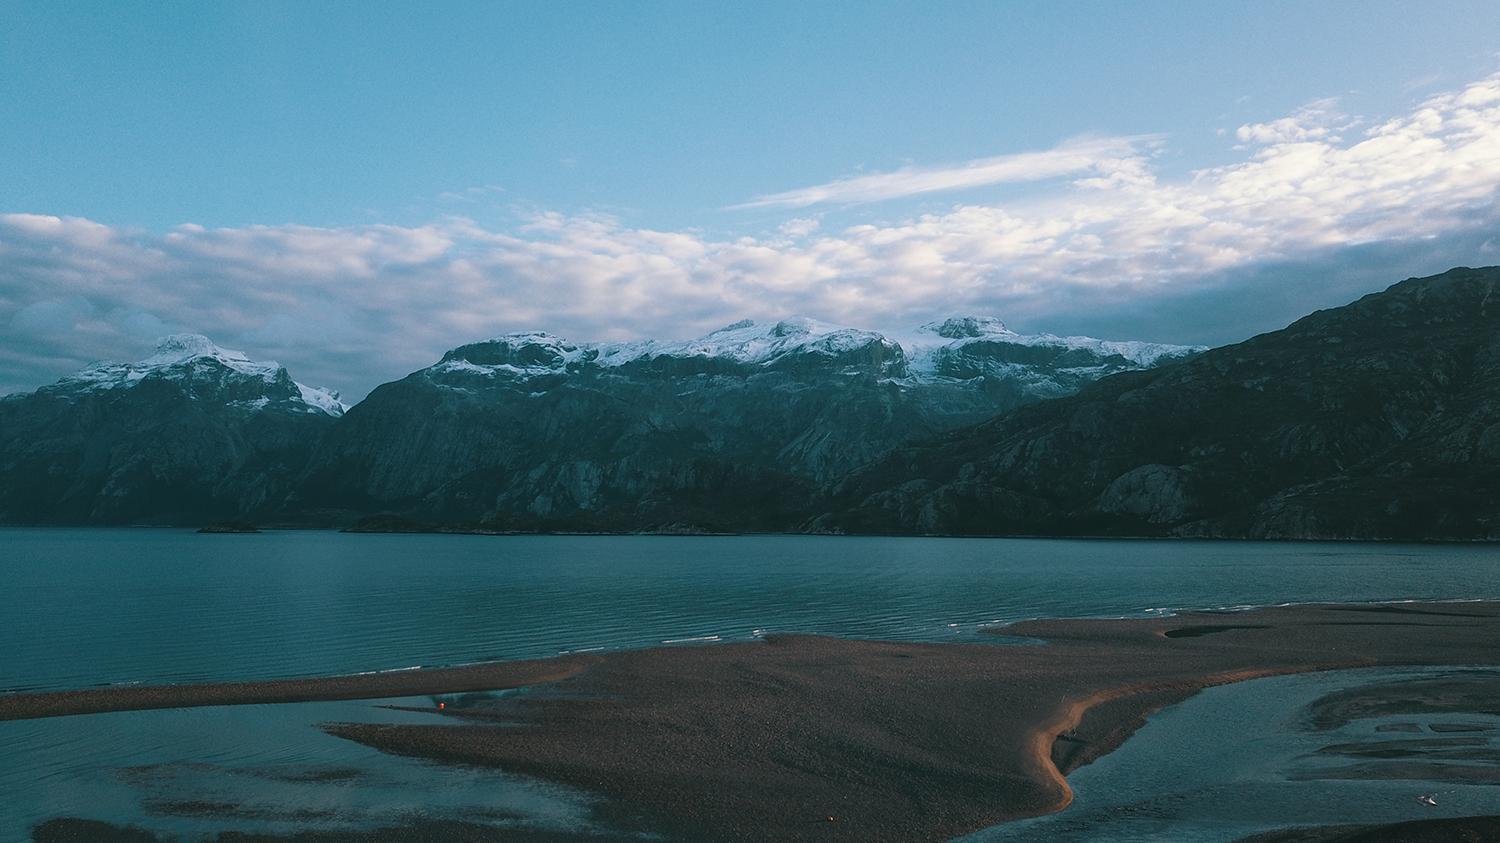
<point x="353" y="188"/>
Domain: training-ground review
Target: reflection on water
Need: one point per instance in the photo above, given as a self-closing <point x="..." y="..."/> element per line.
<point x="1246" y="758"/>
<point x="257" y="768"/>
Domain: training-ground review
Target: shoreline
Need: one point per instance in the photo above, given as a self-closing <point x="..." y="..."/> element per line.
<point x="507" y="533"/>
<point x="399" y="682"/>
<point x="892" y="740"/>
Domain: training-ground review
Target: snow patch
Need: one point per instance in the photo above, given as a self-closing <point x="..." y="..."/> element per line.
<point x="195" y="359"/>
<point x="320" y="400"/>
<point x="750" y="342"/>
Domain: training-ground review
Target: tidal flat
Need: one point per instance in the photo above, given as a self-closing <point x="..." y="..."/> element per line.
<point x="805" y="737"/>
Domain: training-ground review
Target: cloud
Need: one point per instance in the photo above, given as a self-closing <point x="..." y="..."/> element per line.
<point x="471" y="194"/>
<point x="1302" y="219"/>
<point x="1077" y="156"/>
<point x="1315" y="121"/>
<point x="799" y="227"/>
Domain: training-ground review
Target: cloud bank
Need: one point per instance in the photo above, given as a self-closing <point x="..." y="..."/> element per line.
<point x="1112" y="245"/>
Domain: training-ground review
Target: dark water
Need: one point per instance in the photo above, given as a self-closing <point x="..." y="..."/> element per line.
<point x="87" y="607"/>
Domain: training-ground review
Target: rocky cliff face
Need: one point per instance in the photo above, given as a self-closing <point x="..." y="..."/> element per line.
<point x="195" y="433"/>
<point x="737" y="430"/>
<point x="1380" y="419"/>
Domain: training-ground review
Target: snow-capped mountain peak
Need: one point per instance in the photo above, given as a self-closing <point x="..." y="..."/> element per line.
<point x="960" y="348"/>
<point x="935" y="347"/>
<point x="966" y="327"/>
<point x="182" y="348"/>
<point x="758" y="343"/>
<point x="208" y="372"/>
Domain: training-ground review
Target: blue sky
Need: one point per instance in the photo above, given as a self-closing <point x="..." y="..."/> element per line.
<point x="353" y="188"/>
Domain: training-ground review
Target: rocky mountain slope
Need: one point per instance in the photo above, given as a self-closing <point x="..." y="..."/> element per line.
<point x="739" y="429"/>
<point x="192" y="434"/>
<point x="1380" y="419"/>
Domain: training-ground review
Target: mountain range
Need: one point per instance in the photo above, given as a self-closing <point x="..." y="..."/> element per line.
<point x="1379" y="419"/>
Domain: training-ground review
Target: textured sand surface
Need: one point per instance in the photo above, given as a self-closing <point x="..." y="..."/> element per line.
<point x="804" y="738"/>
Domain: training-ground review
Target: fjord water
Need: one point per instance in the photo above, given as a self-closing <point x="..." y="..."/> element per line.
<point x="90" y="607"/>
<point x="95" y="606"/>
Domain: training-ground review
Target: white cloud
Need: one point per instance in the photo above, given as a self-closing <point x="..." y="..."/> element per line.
<point x="352" y="306"/>
<point x="1077" y="156"/>
<point x="471" y="194"/>
<point x="799" y="227"/>
<point x="1315" y="121"/>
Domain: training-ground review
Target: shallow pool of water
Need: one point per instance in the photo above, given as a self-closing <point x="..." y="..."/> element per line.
<point x="1244" y="758"/>
<point x="252" y="768"/>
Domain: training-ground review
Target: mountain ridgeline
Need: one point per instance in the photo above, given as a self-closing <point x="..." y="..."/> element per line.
<point x="1380" y="419"/>
<point x="192" y="434"/>
<point x="742" y="429"/>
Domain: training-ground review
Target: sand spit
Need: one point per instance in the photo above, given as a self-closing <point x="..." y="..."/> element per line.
<point x="395" y="683"/>
<point x="811" y="738"/>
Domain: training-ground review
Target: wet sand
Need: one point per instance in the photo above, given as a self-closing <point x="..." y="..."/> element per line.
<point x="1459" y="830"/>
<point x="74" y="830"/>
<point x="809" y="738"/>
<point x="493" y="676"/>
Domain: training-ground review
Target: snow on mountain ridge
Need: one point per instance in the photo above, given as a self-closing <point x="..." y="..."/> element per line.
<point x="182" y="348"/>
<point x="752" y="342"/>
<point x="964" y="327"/>
<point x="934" y="339"/>
<point x="182" y="357"/>
<point x="747" y="341"/>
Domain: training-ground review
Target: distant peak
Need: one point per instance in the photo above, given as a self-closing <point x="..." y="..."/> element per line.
<point x="965" y="327"/>
<point x="194" y="343"/>
<point x="734" y="326"/>
<point x="543" y="337"/>
<point x="797" y="326"/>
<point x="792" y="326"/>
<point x="175" y="358"/>
<point x="513" y="340"/>
<point x="179" y="347"/>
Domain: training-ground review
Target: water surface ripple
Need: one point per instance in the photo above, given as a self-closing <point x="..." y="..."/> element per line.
<point x="99" y="606"/>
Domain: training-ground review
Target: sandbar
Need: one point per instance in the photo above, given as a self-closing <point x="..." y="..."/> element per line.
<point x="814" y="738"/>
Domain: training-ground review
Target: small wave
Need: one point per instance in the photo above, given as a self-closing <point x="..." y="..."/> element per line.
<point x="697" y="639"/>
<point x="387" y="670"/>
<point x="1248" y="607"/>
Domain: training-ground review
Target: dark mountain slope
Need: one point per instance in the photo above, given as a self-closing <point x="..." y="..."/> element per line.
<point x="737" y="430"/>
<point x="1380" y="419"/>
<point x="193" y="434"/>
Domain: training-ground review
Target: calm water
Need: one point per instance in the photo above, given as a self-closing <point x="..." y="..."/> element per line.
<point x="90" y="607"/>
<point x="82" y="608"/>
<point x="254" y="768"/>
